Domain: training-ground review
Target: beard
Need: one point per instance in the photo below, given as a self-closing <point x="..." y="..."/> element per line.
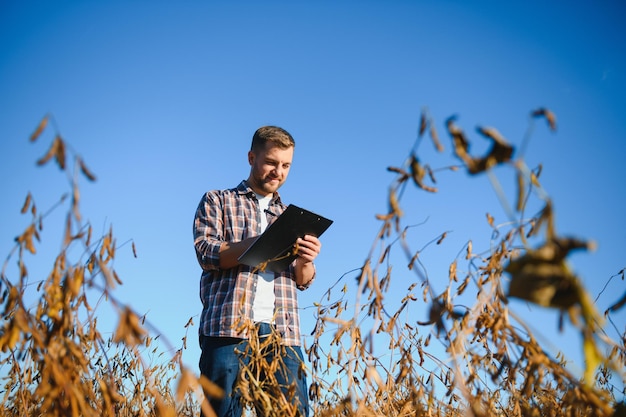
<point x="266" y="184"/>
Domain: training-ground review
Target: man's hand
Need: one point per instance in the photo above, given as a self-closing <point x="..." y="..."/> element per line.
<point x="308" y="248"/>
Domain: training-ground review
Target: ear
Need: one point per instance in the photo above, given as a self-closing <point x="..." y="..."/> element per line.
<point x="251" y="157"/>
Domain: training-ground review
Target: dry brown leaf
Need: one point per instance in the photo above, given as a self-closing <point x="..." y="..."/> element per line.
<point x="77" y="279"/>
<point x="40" y="128"/>
<point x="56" y="150"/>
<point x="500" y="151"/>
<point x="431" y="173"/>
<point x="418" y="172"/>
<point x="51" y="152"/>
<point x="68" y="230"/>
<point x="394" y="205"/>
<point x="490" y="219"/>
<point x="543" y="277"/>
<point x="459" y="141"/>
<point x="546" y="216"/>
<point x="129" y="330"/>
<point x="413" y="259"/>
<point x="618" y="305"/>
<point x="26" y="204"/>
<point x="26" y="238"/>
<point x="116" y="277"/>
<point x="86" y="172"/>
<point x="423" y="124"/>
<point x="88" y="240"/>
<point x="75" y="200"/>
<point x="60" y="152"/>
<point x="435" y="138"/>
<point x="520" y="191"/>
<point x="550" y="117"/>
<point x="403" y="174"/>
<point x="452" y="271"/>
<point x="23" y="269"/>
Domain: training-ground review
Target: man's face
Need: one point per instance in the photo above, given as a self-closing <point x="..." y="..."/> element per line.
<point x="269" y="168"/>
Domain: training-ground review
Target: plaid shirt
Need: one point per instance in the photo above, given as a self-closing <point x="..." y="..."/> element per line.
<point x="227" y="295"/>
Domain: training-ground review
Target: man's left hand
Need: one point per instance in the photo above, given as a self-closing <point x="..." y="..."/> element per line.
<point x="308" y="248"/>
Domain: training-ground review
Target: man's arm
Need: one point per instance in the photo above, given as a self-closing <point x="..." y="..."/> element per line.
<point x="212" y="250"/>
<point x="231" y="251"/>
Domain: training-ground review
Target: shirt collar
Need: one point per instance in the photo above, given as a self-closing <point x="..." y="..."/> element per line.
<point x="244" y="189"/>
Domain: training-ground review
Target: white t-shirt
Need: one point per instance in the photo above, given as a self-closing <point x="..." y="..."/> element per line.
<point x="264" y="298"/>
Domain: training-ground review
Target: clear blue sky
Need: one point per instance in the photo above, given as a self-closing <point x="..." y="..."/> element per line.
<point x="161" y="99"/>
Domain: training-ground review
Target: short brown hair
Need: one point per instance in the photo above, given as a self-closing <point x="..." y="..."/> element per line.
<point x="273" y="134"/>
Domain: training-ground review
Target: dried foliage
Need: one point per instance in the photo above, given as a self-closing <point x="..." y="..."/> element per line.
<point x="54" y="361"/>
<point x="381" y="360"/>
<point x="471" y="355"/>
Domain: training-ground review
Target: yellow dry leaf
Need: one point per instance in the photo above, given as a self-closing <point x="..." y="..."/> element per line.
<point x="128" y="329"/>
<point x="210" y="388"/>
<point x="77" y="281"/>
<point x="593" y="358"/>
<point x="26" y="238"/>
<point x="91" y="263"/>
<point x="55" y="301"/>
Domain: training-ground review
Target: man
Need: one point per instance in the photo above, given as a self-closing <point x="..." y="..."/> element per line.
<point x="233" y="295"/>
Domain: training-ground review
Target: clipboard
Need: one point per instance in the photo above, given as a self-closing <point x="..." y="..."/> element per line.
<point x="274" y="249"/>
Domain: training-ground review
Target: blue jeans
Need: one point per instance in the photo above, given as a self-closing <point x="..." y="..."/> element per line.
<point x="220" y="362"/>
